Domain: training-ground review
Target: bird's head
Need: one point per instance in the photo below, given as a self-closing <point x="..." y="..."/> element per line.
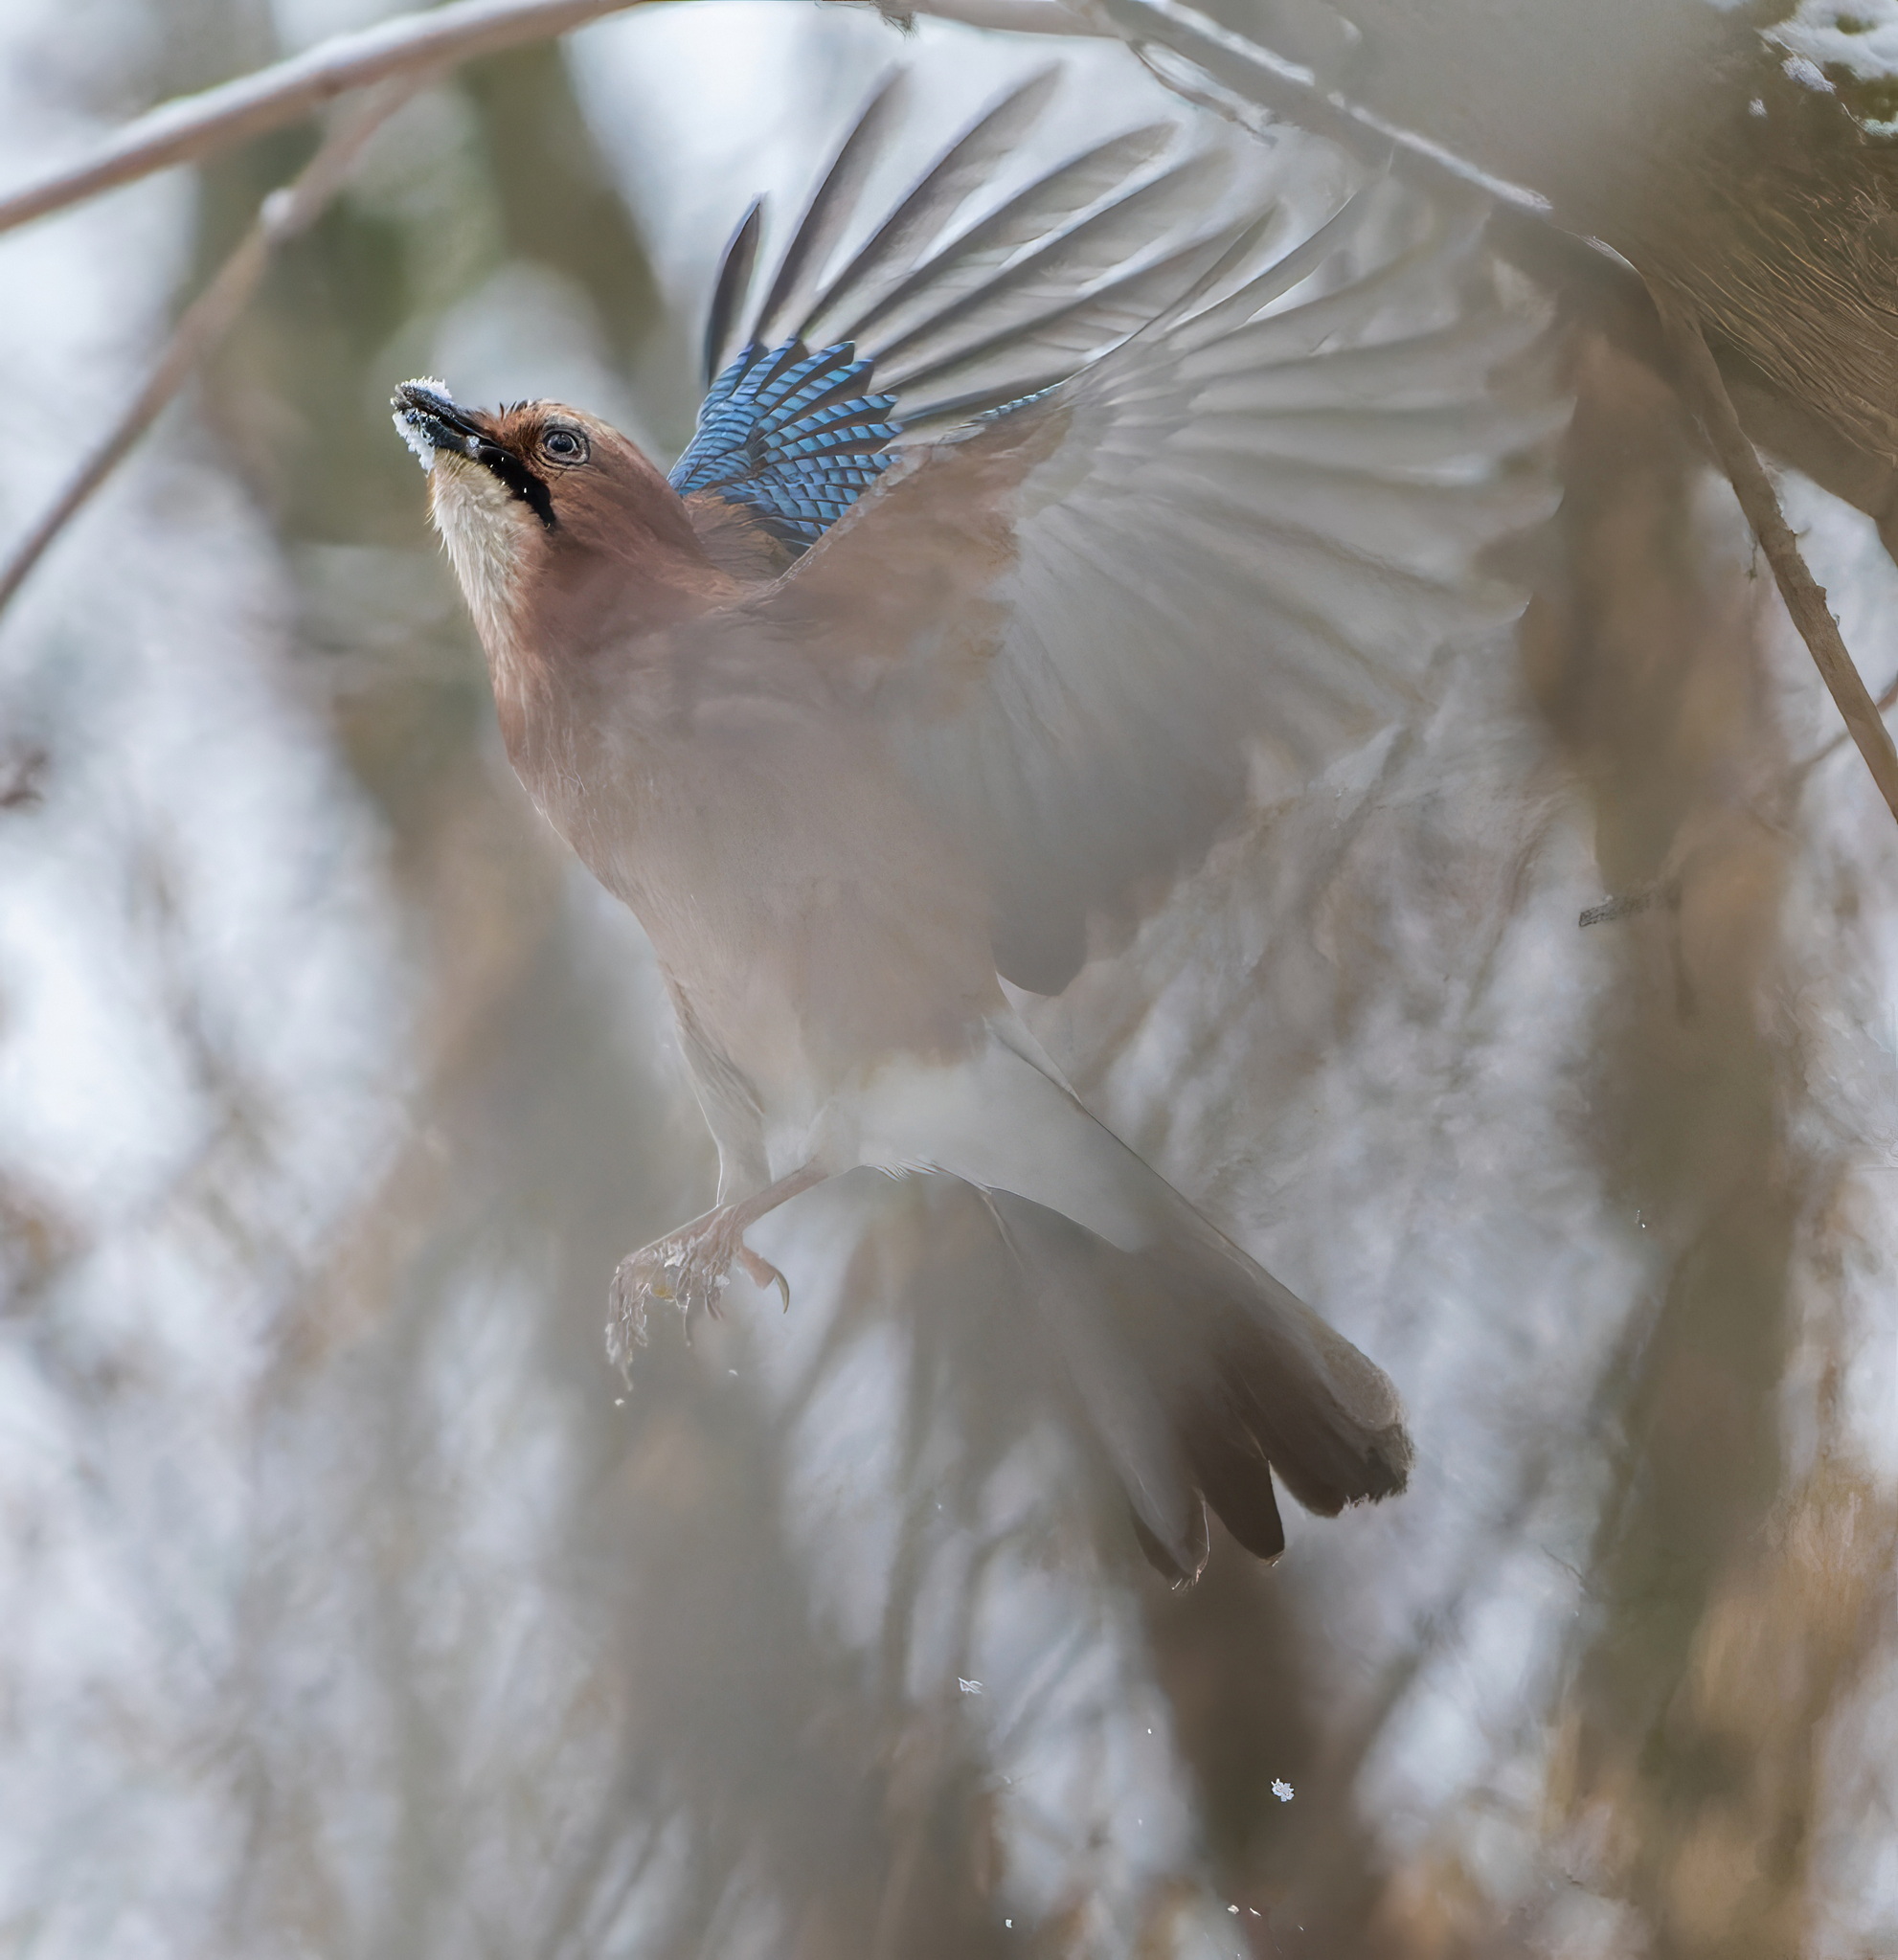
<point x="551" y="517"/>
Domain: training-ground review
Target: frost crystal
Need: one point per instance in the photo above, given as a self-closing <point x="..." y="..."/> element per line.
<point x="424" y="449"/>
<point x="409" y="424"/>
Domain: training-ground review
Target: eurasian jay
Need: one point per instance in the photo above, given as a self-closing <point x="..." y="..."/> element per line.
<point x="1003" y="560"/>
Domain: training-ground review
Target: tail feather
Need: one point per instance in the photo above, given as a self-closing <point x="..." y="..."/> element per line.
<point x="1327" y="1418"/>
<point x="1235" y="1477"/>
<point x="1177" y="1570"/>
<point x="1206" y="1380"/>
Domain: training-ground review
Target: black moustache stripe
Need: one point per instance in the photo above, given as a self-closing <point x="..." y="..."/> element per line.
<point x="518" y="478"/>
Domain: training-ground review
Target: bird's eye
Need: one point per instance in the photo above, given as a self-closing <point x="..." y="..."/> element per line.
<point x="564" y="445"/>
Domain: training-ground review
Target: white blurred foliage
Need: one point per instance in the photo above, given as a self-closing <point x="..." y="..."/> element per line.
<point x="379" y="1617"/>
<point x="201" y="984"/>
<point x="1860" y="36"/>
<point x="1842" y="1003"/>
<point x="525" y="335"/>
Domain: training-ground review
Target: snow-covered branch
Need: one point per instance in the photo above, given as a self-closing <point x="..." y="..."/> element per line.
<point x="198" y="125"/>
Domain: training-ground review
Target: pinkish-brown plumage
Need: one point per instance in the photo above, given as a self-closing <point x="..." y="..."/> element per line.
<point x="1017" y="684"/>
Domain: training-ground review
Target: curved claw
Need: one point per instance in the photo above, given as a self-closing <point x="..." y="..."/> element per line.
<point x="685" y="1269"/>
<point x="627" y="1329"/>
<point x="763" y="1274"/>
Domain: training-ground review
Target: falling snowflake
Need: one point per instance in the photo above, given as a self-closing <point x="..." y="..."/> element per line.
<point x="1281" y="1790"/>
<point x="968" y="1687"/>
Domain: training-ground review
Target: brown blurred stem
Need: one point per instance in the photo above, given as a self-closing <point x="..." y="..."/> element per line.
<point x="1700" y="378"/>
<point x="205" y="322"/>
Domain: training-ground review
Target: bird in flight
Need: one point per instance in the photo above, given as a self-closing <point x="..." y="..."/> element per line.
<point x="1019" y="534"/>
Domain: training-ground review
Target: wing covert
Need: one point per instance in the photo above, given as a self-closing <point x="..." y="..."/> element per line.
<point x="931" y="319"/>
<point x="790" y="434"/>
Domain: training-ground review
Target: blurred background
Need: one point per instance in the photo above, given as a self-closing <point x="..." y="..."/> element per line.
<point x="350" y="1606"/>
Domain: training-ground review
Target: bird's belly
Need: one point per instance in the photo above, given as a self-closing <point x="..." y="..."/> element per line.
<point x="812" y="923"/>
<point x="814" y="983"/>
<point x="809" y="953"/>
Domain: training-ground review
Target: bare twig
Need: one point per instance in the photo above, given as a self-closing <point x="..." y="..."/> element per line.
<point x="1007" y="17"/>
<point x="205" y="322"/>
<point x="1804" y="597"/>
<point x="1256" y="74"/>
<point x="198" y="125"/>
<point x="1827" y="750"/>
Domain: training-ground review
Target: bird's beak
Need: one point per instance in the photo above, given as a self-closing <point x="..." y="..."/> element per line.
<point x="427" y="419"/>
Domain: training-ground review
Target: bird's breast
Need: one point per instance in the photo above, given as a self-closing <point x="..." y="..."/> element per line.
<point x="818" y="923"/>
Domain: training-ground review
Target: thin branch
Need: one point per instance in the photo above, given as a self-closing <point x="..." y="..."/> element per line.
<point x="205" y="322"/>
<point x="1267" y="80"/>
<point x="196" y="126"/>
<point x="1805" y="597"/>
<point x="1005" y="17"/>
<point x="1827" y="750"/>
<point x="1525" y="227"/>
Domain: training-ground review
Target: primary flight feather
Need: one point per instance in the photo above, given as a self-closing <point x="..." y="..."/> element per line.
<point x="1009" y="552"/>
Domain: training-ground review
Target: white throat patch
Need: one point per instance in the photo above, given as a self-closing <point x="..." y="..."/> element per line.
<point x="488" y="532"/>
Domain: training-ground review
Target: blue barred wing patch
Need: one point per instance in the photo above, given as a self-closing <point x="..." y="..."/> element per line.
<point x="793" y="434"/>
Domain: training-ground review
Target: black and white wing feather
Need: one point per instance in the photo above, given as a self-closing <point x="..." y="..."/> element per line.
<point x="815" y="384"/>
<point x="1229" y="546"/>
<point x="1111" y="508"/>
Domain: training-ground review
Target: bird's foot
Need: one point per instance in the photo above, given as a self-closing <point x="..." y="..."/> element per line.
<point x="687" y="1269"/>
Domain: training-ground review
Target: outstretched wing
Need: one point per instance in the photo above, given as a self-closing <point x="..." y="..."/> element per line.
<point x="925" y="323"/>
<point x="1240" y="536"/>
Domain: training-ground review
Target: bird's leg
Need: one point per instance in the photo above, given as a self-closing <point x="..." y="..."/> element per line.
<point x="688" y="1268"/>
